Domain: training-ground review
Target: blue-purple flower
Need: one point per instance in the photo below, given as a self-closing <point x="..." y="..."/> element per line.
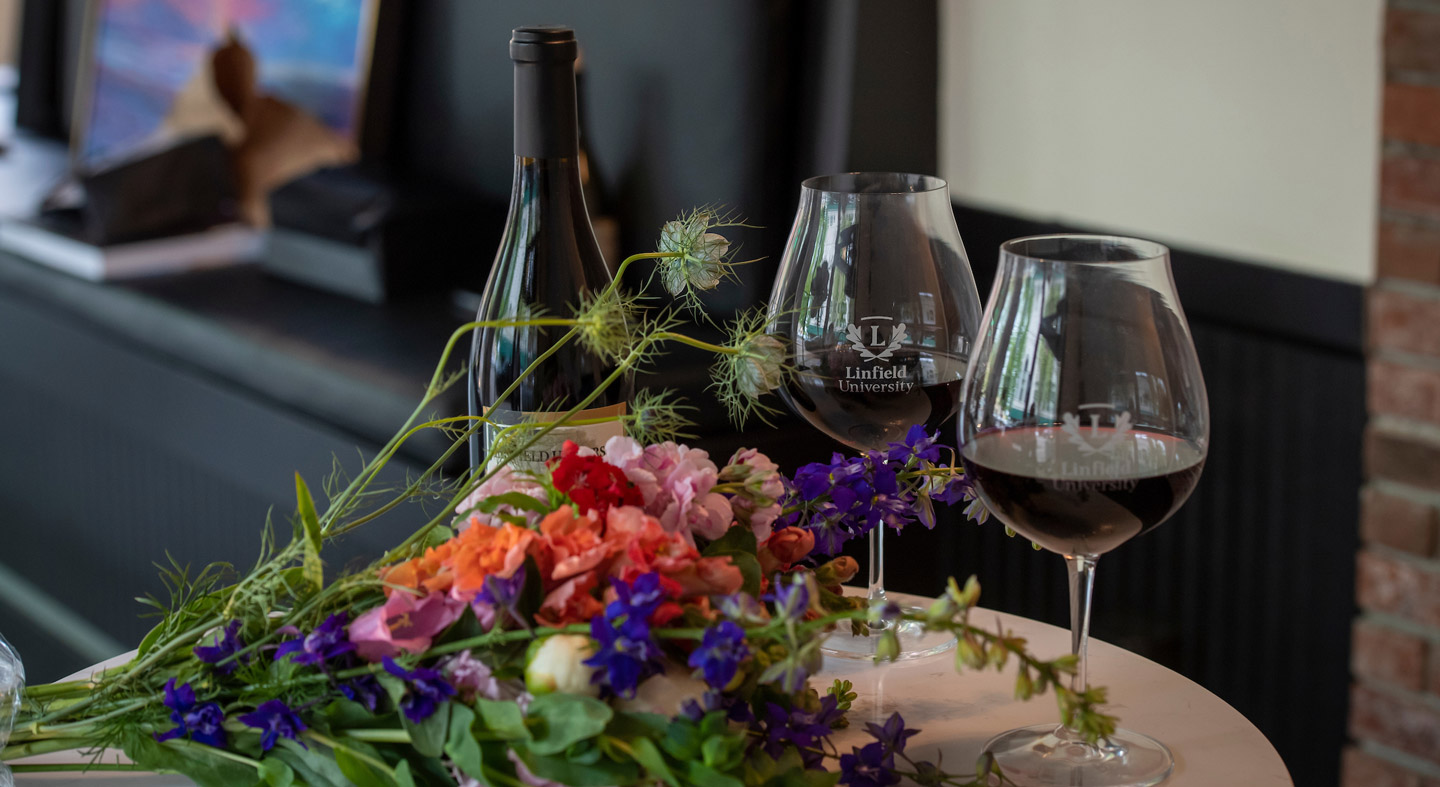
<point x="627" y="652"/>
<point x="504" y="594"/>
<point x="201" y="722"/>
<point x="326" y="642"/>
<point x="736" y="709"/>
<point x="870" y="765"/>
<point x="721" y="650"/>
<point x="227" y="642"/>
<point x="428" y="690"/>
<point x="916" y="446"/>
<point x="365" y="689"/>
<point x="893" y="734"/>
<point x="806" y="730"/>
<point x="275" y="720"/>
<point x="790" y="596"/>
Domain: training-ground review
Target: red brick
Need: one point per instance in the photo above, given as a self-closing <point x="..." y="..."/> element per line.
<point x="1399" y="724"/>
<point x="1412" y="40"/>
<point x="1402" y="321"/>
<point x="1404" y="390"/>
<point x="1389" y="655"/>
<point x="1398" y="523"/>
<point x="1361" y="769"/>
<point x="1410" y="184"/>
<point x="1412" y="113"/>
<point x="1405" y="250"/>
<point x="1397" y="587"/>
<point x="1402" y="458"/>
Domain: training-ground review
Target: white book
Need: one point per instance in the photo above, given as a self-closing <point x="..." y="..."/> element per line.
<point x="218" y="246"/>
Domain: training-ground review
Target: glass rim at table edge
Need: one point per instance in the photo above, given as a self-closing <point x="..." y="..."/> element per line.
<point x="1155" y="251"/>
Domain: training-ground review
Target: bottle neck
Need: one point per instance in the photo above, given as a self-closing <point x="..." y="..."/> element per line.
<point x="545" y="114"/>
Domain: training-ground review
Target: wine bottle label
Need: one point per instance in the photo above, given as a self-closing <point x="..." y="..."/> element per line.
<point x="587" y="428"/>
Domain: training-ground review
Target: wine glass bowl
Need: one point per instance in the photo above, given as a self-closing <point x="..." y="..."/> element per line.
<point x="1084" y="424"/>
<point x="876" y="301"/>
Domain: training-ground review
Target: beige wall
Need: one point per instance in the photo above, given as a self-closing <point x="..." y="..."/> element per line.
<point x="9" y="30"/>
<point x="1244" y="127"/>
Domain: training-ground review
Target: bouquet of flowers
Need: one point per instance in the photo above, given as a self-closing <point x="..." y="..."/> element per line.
<point x="640" y="616"/>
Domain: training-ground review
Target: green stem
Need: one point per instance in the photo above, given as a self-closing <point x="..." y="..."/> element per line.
<point x="718" y="349"/>
<point x="17" y="750"/>
<point x="60" y="767"/>
<point x="378" y="736"/>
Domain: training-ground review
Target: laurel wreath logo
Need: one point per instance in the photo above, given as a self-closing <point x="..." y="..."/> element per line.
<point x="1072" y="428"/>
<point x="898" y="336"/>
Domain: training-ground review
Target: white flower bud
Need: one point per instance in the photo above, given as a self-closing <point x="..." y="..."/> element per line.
<point x="557" y="664"/>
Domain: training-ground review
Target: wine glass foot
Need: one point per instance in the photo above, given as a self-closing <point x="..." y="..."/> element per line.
<point x="915" y="642"/>
<point x="1043" y="754"/>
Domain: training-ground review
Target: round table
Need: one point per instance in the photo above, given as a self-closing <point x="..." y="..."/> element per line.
<point x="1214" y="745"/>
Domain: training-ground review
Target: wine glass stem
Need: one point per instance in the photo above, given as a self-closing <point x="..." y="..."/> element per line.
<point x="877" y="563"/>
<point x="1082" y="582"/>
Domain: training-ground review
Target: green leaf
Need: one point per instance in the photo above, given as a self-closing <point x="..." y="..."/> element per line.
<point x="723" y="752"/>
<point x="736" y="539"/>
<point x="428" y="737"/>
<point x="560" y="769"/>
<point x="702" y="775"/>
<point x="516" y="500"/>
<point x="682" y="740"/>
<point x="402" y="775"/>
<point x="503" y="719"/>
<point x="314" y="570"/>
<point x="310" y="766"/>
<point x="276" y="773"/>
<point x="199" y="762"/>
<point x="346" y="714"/>
<point x="460" y="744"/>
<point x="358" y="771"/>
<point x="150" y="640"/>
<point x="630" y="724"/>
<point x="568" y="719"/>
<point x="653" y="761"/>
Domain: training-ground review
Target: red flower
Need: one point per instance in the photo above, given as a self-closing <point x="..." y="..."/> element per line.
<point x="591" y="484"/>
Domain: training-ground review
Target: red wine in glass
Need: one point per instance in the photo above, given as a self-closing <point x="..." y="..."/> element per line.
<point x="1061" y="493"/>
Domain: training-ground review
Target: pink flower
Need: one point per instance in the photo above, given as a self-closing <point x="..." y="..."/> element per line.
<point x="675" y="481"/>
<point x="758" y="501"/>
<point x="472" y="678"/>
<point x="505" y="480"/>
<point x="403" y="622"/>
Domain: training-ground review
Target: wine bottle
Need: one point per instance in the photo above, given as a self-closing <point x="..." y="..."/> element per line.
<point x="548" y="258"/>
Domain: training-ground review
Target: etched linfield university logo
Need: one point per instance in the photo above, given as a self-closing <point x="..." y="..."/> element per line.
<point x="876" y="338"/>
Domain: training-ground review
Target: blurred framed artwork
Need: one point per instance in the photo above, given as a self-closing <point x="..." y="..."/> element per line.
<point x="157" y="69"/>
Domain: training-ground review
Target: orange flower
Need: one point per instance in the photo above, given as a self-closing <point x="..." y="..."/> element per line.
<point x="572" y="602"/>
<point x="576" y="544"/>
<point x="483" y="550"/>
<point x="425" y="574"/>
<point x="648" y="547"/>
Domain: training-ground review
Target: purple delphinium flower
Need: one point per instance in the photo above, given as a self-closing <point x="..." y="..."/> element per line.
<point x="428" y="690"/>
<point x="502" y="594"/>
<point x="917" y="446"/>
<point x="226" y="644"/>
<point x="326" y="642"/>
<point x="736" y="709"/>
<point x="892" y="735"/>
<point x="627" y="652"/>
<point x="365" y="690"/>
<point x="806" y="730"/>
<point x="871" y="765"/>
<point x="790" y="596"/>
<point x="638" y="599"/>
<point x="275" y="720"/>
<point x="720" y="653"/>
<point x="955" y="489"/>
<point x="201" y="722"/>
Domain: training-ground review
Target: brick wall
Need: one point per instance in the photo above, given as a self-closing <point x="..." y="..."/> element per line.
<point x="1395" y="659"/>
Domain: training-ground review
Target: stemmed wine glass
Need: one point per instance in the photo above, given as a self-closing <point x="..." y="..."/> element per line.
<point x="1084" y="424"/>
<point x="876" y="299"/>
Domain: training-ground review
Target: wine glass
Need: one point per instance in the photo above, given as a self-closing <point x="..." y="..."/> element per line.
<point x="1084" y="424"/>
<point x="876" y="300"/>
